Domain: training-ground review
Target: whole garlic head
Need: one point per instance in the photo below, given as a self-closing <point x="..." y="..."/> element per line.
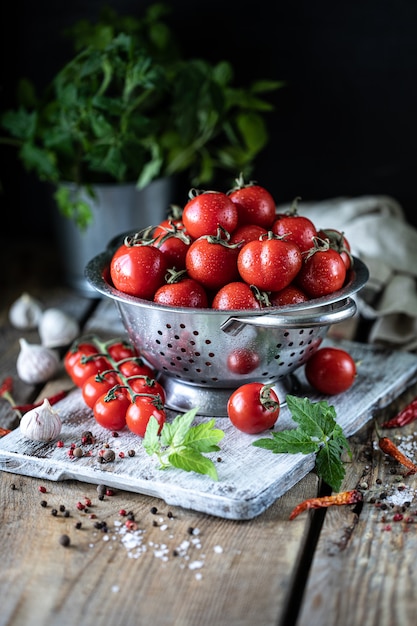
<point x="36" y="363"/>
<point x="57" y="328"/>
<point x="25" y="312"/>
<point x="41" y="423"/>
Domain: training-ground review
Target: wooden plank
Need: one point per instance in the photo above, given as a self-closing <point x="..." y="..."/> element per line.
<point x="364" y="566"/>
<point x="238" y="494"/>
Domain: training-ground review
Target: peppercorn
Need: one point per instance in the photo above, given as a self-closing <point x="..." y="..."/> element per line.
<point x="101" y="490"/>
<point x="131" y="452"/>
<point x="62" y="507"/>
<point x="54" y="512"/>
<point x="42" y="489"/>
<point x="77" y="525"/>
<point x="44" y="503"/>
<point x="154" y="510"/>
<point x="64" y="540"/>
<point x="78" y="453"/>
<point x="109" y="456"/>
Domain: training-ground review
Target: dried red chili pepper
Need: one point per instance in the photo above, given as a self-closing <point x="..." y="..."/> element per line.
<point x="4" y="431"/>
<point x="24" y="408"/>
<point x="6" y="386"/>
<point x="407" y="415"/>
<point x="344" y="497"/>
<point x="389" y="447"/>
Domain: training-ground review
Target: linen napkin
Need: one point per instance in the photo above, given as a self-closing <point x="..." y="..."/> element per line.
<point x="379" y="234"/>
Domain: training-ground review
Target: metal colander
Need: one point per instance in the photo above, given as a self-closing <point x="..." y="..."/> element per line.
<point x="203" y="354"/>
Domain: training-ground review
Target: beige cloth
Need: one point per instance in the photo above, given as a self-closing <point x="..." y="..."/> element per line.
<point x="380" y="236"/>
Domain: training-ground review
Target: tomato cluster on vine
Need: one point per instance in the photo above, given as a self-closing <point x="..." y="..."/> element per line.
<point x="232" y="251"/>
<point x="116" y="383"/>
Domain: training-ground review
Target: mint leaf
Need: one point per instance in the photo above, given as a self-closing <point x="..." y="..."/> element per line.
<point x="182" y="445"/>
<point x="317" y="432"/>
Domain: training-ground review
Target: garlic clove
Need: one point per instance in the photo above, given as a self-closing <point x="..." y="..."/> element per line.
<point x="25" y="312"/>
<point x="41" y="423"/>
<point x="57" y="328"/>
<point x="36" y="363"/>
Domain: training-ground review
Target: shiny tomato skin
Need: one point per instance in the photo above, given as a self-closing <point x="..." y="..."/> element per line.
<point x="138" y="270"/>
<point x="73" y="355"/>
<point x="174" y="247"/>
<point x="203" y="214"/>
<point x="80" y="371"/>
<point x="111" y="413"/>
<point x="339" y="243"/>
<point x="139" y="413"/>
<point x="247" y="232"/>
<point x="270" y="264"/>
<point x="322" y="273"/>
<point x="287" y="296"/>
<point x="122" y="350"/>
<point x="145" y="384"/>
<point x="185" y="293"/>
<point x="212" y="264"/>
<point x="255" y="205"/>
<point x="135" y="367"/>
<point x="246" y="411"/>
<point x="93" y="388"/>
<point x="330" y="370"/>
<point x="296" y="228"/>
<point x="242" y="361"/>
<point x="235" y="295"/>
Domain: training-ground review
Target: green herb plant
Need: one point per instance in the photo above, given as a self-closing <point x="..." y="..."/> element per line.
<point x="128" y="107"/>
<point x="182" y="445"/>
<point x="317" y="432"/>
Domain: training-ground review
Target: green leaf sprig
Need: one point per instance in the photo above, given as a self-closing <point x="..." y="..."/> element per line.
<point x="317" y="432"/>
<point x="181" y="445"/>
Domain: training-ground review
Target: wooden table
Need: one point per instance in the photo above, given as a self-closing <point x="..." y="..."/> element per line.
<point x="351" y="565"/>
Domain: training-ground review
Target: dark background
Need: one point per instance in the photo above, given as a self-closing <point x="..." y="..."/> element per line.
<point x="344" y="125"/>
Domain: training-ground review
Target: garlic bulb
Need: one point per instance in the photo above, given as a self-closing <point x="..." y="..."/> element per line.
<point x="41" y="423"/>
<point x="57" y="328"/>
<point x="35" y="363"/>
<point x="25" y="313"/>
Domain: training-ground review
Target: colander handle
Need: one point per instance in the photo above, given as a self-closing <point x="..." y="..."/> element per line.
<point x="339" y="312"/>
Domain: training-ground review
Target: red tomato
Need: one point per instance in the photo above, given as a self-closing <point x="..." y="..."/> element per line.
<point x="255" y="205"/>
<point x="184" y="293"/>
<point x="75" y="353"/>
<point x="139" y="413"/>
<point x="212" y="262"/>
<point x="173" y="221"/>
<point x="235" y="295"/>
<point x="322" y="273"/>
<point x="330" y="370"/>
<point x="97" y="385"/>
<point x="253" y="407"/>
<point x="122" y="350"/>
<point x="242" y="361"/>
<point x="247" y="232"/>
<point x="203" y="214"/>
<point x="87" y="365"/>
<point x="270" y="263"/>
<point x="289" y="295"/>
<point x="174" y="244"/>
<point x="338" y="242"/>
<point x="138" y="270"/>
<point x="296" y="228"/>
<point x="145" y="384"/>
<point x="135" y="367"/>
<point x="110" y="410"/>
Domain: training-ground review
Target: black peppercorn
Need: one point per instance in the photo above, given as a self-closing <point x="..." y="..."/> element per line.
<point x="64" y="540"/>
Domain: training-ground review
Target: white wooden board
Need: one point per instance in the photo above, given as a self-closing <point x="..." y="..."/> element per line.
<point x="250" y="479"/>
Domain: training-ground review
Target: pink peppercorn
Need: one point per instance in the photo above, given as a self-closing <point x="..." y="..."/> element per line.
<point x="122" y="455"/>
<point x="80" y="506"/>
<point x="60" y="444"/>
<point x="398" y="517"/>
<point x="42" y="489"/>
<point x="109" y="492"/>
<point x="87" y="501"/>
<point x="122" y="512"/>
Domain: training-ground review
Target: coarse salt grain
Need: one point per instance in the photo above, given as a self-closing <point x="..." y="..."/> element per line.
<point x="218" y="549"/>
<point x="195" y="565"/>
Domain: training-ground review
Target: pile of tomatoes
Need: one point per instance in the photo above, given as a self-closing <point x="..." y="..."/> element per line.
<point x="232" y="251"/>
<point x="116" y="384"/>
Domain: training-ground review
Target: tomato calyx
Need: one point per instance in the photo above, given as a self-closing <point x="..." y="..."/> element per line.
<point x="293" y="210"/>
<point x="241" y="184"/>
<point x="174" y="232"/>
<point x="266" y="398"/>
<point x="337" y="242"/>
<point x="223" y="238"/>
<point x="261" y="296"/>
<point x="141" y="238"/>
<point x="319" y="245"/>
<point x="174" y="276"/>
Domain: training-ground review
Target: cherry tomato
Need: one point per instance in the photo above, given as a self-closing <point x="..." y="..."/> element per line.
<point x="270" y="263"/>
<point x="296" y="228"/>
<point x="146" y="384"/>
<point x="242" y="361"/>
<point x="322" y="273"/>
<point x="97" y="385"/>
<point x="235" y="295"/>
<point x="247" y="232"/>
<point x="212" y="262"/>
<point x="87" y="365"/>
<point x="174" y="244"/>
<point x="74" y="354"/>
<point x="135" y="367"/>
<point x="139" y="413"/>
<point x="122" y="350"/>
<point x="110" y="410"/>
<point x="255" y="205"/>
<point x="338" y="242"/>
<point x="138" y="270"/>
<point x="206" y="212"/>
<point x="253" y="408"/>
<point x="289" y="295"/>
<point x="330" y="370"/>
<point x="184" y="293"/>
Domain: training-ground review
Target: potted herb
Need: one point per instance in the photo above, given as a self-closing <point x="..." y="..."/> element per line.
<point x="128" y="109"/>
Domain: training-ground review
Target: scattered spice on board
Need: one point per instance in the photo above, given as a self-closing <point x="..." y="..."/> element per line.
<point x="344" y="497"/>
<point x="407" y="415"/>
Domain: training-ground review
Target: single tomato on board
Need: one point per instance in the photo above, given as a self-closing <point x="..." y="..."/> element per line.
<point x="253" y="407"/>
<point x="330" y="370"/>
